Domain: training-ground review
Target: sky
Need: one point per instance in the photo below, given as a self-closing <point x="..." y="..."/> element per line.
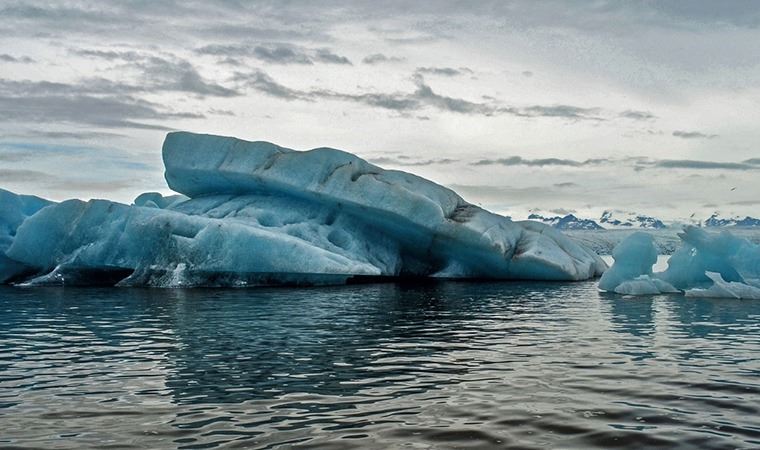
<point x="558" y="107"/>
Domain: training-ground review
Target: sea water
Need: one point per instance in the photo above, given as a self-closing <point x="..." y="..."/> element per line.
<point x="436" y="365"/>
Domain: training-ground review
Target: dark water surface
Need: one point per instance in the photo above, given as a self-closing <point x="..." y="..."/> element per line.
<point x="445" y="365"/>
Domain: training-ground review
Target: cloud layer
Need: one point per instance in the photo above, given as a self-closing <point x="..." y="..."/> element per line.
<point x="650" y="104"/>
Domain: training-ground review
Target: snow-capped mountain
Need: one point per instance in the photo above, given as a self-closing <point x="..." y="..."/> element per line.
<point x="716" y="221"/>
<point x="623" y="220"/>
<point x="609" y="220"/>
<point x="620" y="219"/>
<point x="568" y="222"/>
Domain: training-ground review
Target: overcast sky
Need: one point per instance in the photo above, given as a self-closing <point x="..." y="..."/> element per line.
<point x="652" y="107"/>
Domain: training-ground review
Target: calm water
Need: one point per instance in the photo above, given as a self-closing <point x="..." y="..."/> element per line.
<point x="446" y="365"/>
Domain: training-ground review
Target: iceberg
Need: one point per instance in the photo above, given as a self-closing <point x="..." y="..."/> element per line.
<point x="633" y="257"/>
<point x="254" y="213"/>
<point x="632" y="272"/>
<point x="705" y="265"/>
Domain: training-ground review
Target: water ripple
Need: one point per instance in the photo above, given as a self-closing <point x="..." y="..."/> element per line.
<point x="444" y="365"/>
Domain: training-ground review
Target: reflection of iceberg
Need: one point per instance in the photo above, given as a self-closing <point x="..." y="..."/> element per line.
<point x="257" y="213"/>
<point x="706" y="265"/>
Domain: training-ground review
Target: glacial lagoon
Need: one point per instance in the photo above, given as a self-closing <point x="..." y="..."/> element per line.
<point x="392" y="365"/>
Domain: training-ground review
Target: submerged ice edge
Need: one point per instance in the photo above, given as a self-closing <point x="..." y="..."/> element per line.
<point x="718" y="265"/>
<point x="257" y="208"/>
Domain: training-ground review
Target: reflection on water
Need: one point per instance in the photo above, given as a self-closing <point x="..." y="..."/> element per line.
<point x="440" y="365"/>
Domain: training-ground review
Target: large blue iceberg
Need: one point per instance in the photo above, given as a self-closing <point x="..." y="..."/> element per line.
<point x="254" y="213"/>
<point x="706" y="265"/>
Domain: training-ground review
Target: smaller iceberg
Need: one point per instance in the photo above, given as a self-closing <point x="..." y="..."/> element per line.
<point x="706" y="265"/>
<point x="632" y="272"/>
<point x="727" y="289"/>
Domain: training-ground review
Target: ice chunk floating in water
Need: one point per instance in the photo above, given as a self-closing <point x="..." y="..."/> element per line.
<point x="722" y="288"/>
<point x="706" y="265"/>
<point x="257" y="213"/>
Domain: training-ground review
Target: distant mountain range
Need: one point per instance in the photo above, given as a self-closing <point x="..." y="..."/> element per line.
<point x="568" y="222"/>
<point x="715" y="221"/>
<point x="627" y="220"/>
<point x="630" y="220"/>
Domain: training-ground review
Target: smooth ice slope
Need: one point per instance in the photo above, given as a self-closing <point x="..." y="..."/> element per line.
<point x="706" y="265"/>
<point x="256" y="213"/>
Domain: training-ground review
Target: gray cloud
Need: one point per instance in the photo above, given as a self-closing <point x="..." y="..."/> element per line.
<point x="4" y="57"/>
<point x="110" y="55"/>
<point x="743" y="202"/>
<point x="426" y="95"/>
<point x="423" y="97"/>
<point x="68" y="17"/>
<point x="637" y="115"/>
<point x="395" y="102"/>
<point x="178" y="75"/>
<point x="560" y="111"/>
<point x="693" y="135"/>
<point x="22" y="175"/>
<point x="326" y="56"/>
<point x="542" y="162"/>
<point x="262" y="82"/>
<point x="225" y="50"/>
<point x="71" y="135"/>
<point x="443" y="71"/>
<point x="703" y="165"/>
<point x="14" y="157"/>
<point x="155" y="73"/>
<point x="45" y="102"/>
<point x="58" y="183"/>
<point x="581" y="45"/>
<point x="636" y="163"/>
<point x="378" y="58"/>
<point x="275" y="53"/>
<point x="400" y="161"/>
<point x="280" y="54"/>
<point x="221" y="112"/>
<point x="235" y="32"/>
<point x="307" y="20"/>
<point x="566" y="184"/>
